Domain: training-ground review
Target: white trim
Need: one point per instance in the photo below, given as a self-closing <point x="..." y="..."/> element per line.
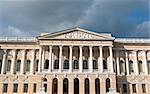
<point x="132" y="40"/>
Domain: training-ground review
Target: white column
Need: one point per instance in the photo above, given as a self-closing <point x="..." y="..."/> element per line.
<point x="80" y="59"/>
<point x="4" y="61"/>
<point x="43" y="58"/>
<point x="40" y="58"/>
<point x="145" y="63"/>
<point x="127" y="62"/>
<point x="117" y="60"/>
<point x="13" y="61"/>
<point x="50" y="58"/>
<point x="23" y="61"/>
<point x="136" y="62"/>
<point x="60" y="58"/>
<point x="32" y="62"/>
<point x="111" y="59"/>
<point x="70" y="59"/>
<point x="91" y="59"/>
<point x="100" y="64"/>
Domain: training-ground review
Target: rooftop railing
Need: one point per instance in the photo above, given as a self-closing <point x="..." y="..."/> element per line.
<point x="18" y="39"/>
<point x="132" y="40"/>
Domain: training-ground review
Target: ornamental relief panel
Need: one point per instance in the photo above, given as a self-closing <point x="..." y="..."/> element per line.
<point x="78" y="35"/>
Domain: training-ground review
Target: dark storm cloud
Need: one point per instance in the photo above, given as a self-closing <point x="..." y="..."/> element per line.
<point x="123" y="18"/>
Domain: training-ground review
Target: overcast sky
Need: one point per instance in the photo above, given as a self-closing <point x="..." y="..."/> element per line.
<point x="121" y="18"/>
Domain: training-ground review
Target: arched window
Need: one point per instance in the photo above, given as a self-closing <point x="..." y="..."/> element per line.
<point x="46" y="64"/>
<point x="8" y="65"/>
<point x="56" y="64"/>
<point x="87" y="86"/>
<point x="44" y="80"/>
<point x="76" y="86"/>
<point x="18" y="63"/>
<point x="148" y="66"/>
<point x="140" y="66"/>
<point x="28" y="65"/>
<point x="97" y="86"/>
<point x="75" y="64"/>
<point x="55" y="86"/>
<point x="65" y="86"/>
<point x="107" y="84"/>
<point x="104" y="64"/>
<point x="131" y="66"/>
<point x="95" y="65"/>
<point x="85" y="64"/>
<point x="36" y="65"/>
<point x="122" y="66"/>
<point x="0" y="65"/>
<point x="66" y="64"/>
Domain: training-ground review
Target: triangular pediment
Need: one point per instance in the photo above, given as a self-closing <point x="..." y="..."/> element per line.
<point x="75" y="33"/>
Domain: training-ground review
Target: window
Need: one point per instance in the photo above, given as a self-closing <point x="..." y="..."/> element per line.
<point x="131" y="66"/>
<point x="45" y="86"/>
<point x="140" y="66"/>
<point x="56" y="64"/>
<point x="85" y="64"/>
<point x="75" y="64"/>
<point x="122" y="66"/>
<point x="25" y="88"/>
<point x="134" y="88"/>
<point x="46" y="64"/>
<point x="0" y="65"/>
<point x="28" y="65"/>
<point x="36" y="65"/>
<point x="97" y="86"/>
<point x="104" y="64"/>
<point x="87" y="86"/>
<point x="148" y="65"/>
<point x="143" y="88"/>
<point x="107" y="84"/>
<point x="66" y="64"/>
<point x="8" y="65"/>
<point x="95" y="65"/>
<point x="34" y="87"/>
<point x="5" y="87"/>
<point x="124" y="88"/>
<point x="15" y="88"/>
<point x="55" y="86"/>
<point x="76" y="86"/>
<point x="18" y="63"/>
<point x="65" y="86"/>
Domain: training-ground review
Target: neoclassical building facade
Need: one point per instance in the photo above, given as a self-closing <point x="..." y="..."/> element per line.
<point x="74" y="61"/>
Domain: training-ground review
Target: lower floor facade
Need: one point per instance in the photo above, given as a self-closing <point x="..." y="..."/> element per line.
<point x="74" y="83"/>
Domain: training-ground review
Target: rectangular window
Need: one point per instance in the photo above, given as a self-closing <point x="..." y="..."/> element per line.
<point x="143" y="88"/>
<point x="5" y="86"/>
<point x="124" y="88"/>
<point x="15" y="88"/>
<point x="36" y="65"/>
<point x="45" y="86"/>
<point x="134" y="88"/>
<point x="0" y="65"/>
<point x="34" y="88"/>
<point x="25" y="88"/>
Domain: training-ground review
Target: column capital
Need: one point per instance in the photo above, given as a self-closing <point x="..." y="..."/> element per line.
<point x="91" y="46"/>
<point x="110" y="46"/>
<point x="60" y="46"/>
<point x="145" y="51"/>
<point x="70" y="46"/>
<point x="80" y="46"/>
<point x="100" y="46"/>
<point x="50" y="45"/>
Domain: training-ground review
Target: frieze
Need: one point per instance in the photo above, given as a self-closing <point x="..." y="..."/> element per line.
<point x="78" y="35"/>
